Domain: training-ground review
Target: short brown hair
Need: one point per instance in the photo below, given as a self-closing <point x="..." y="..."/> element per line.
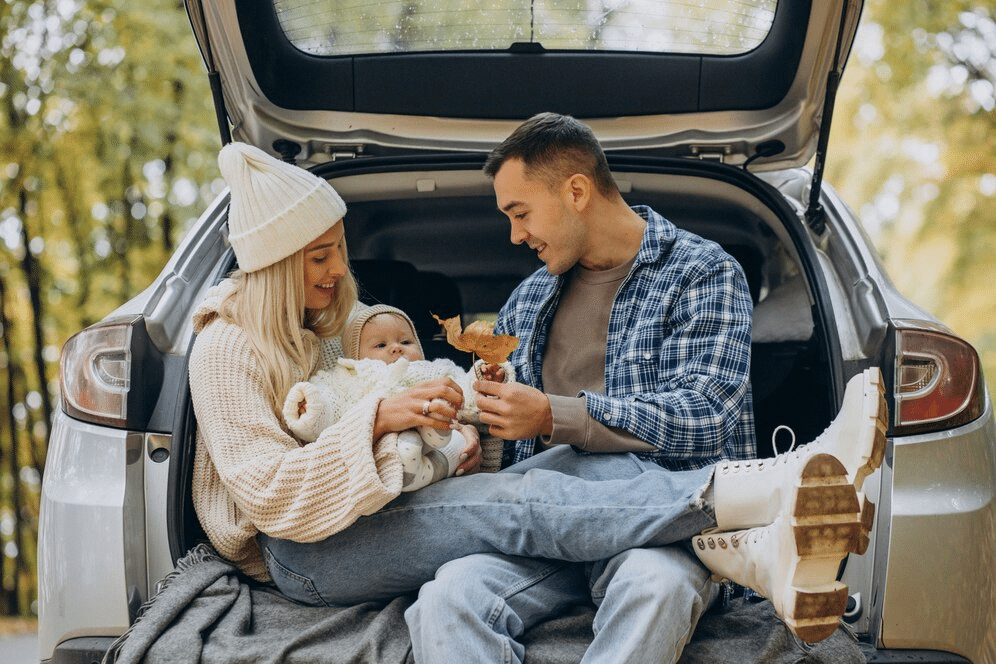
<point x="552" y="148"/>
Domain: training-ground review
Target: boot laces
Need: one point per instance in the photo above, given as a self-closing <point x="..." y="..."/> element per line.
<point x="791" y="454"/>
<point x="774" y="439"/>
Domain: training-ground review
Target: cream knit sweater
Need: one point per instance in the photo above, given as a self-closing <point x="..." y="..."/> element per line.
<point x="250" y="475"/>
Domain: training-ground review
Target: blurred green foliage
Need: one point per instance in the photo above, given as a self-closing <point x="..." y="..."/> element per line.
<point x="107" y="144"/>
<point x="107" y="152"/>
<point x="913" y="150"/>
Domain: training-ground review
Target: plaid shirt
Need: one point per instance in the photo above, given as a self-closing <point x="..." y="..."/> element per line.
<point x="677" y="357"/>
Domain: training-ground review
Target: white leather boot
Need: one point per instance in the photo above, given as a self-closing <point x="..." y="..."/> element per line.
<point x="754" y="492"/>
<point x="793" y="561"/>
<point x="802" y="588"/>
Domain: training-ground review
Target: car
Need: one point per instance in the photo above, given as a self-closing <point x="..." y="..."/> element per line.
<point x="709" y="112"/>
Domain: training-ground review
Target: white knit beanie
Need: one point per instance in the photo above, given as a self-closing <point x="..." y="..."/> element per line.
<point x="351" y="335"/>
<point x="276" y="208"/>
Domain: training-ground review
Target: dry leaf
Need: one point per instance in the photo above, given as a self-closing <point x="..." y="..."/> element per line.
<point x="479" y="338"/>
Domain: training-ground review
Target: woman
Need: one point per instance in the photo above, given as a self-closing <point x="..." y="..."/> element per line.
<point x="326" y="521"/>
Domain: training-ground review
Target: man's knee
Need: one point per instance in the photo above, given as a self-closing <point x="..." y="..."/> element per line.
<point x="654" y="573"/>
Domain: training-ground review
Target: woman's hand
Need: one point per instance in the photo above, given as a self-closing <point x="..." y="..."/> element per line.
<point x="472" y="452"/>
<point x="433" y="403"/>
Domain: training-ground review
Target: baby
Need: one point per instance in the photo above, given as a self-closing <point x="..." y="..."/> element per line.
<point x="381" y="352"/>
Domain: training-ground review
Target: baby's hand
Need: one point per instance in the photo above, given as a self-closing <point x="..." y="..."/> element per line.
<point x="305" y="412"/>
<point x="492" y="372"/>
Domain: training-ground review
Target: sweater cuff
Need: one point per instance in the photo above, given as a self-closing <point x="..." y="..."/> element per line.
<point x="570" y="421"/>
<point x="374" y="469"/>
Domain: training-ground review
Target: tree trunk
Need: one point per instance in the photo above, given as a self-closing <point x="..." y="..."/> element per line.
<point x="32" y="275"/>
<point x="9" y="567"/>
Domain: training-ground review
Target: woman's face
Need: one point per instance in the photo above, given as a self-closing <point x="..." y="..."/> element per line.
<point x="323" y="267"/>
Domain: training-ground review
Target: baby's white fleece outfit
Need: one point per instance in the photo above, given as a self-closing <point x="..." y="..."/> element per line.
<point x="427" y="455"/>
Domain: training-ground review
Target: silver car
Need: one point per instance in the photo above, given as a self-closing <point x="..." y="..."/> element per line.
<point x="708" y="112"/>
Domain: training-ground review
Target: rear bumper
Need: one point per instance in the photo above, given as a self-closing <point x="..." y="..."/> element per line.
<point x="83" y="650"/>
<point x="87" y="650"/>
<point x="920" y="656"/>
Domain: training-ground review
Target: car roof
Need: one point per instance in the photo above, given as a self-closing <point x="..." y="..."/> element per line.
<point x="315" y="99"/>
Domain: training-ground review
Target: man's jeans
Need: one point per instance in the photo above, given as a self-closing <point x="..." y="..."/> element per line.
<point x="592" y="508"/>
<point x="648" y="600"/>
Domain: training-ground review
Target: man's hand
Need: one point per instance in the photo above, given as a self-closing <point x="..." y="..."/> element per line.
<point x="513" y="411"/>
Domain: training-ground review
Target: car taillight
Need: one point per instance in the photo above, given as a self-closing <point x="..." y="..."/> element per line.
<point x="111" y="374"/>
<point x="938" y="381"/>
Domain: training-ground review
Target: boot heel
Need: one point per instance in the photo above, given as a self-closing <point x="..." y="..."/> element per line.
<point x="817" y="614"/>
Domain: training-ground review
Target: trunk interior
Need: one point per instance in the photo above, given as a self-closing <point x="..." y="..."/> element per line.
<point x="427" y="237"/>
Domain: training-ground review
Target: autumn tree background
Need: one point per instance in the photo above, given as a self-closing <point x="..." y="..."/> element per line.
<point x="107" y="153"/>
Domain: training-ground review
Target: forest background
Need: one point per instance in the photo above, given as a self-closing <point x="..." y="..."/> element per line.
<point x="107" y="154"/>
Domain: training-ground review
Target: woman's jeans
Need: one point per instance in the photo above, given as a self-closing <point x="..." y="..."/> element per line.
<point x="558" y="505"/>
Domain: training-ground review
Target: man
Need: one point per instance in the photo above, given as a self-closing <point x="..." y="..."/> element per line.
<point x="634" y="339"/>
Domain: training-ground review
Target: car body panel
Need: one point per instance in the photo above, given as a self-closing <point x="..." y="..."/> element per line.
<point x="88" y="536"/>
<point x="941" y="528"/>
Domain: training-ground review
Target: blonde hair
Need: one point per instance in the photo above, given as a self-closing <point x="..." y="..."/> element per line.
<point x="268" y="304"/>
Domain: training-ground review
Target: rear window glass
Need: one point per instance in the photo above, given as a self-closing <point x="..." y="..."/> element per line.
<point x="349" y="27"/>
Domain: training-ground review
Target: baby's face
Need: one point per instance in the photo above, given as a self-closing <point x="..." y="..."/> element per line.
<point x="387" y="337"/>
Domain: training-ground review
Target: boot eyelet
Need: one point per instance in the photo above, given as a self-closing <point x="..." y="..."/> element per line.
<point x="700" y="543"/>
<point x="712" y="543"/>
<point x="722" y="543"/>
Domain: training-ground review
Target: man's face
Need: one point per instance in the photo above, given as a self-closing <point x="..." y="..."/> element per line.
<point x="387" y="337"/>
<point x="540" y="217"/>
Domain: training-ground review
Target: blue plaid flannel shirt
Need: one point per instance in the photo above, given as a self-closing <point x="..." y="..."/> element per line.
<point x="677" y="359"/>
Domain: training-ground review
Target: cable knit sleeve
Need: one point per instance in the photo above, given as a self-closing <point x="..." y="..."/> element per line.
<point x="251" y="475"/>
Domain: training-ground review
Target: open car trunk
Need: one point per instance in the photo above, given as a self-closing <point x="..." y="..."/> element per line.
<point x="426" y="236"/>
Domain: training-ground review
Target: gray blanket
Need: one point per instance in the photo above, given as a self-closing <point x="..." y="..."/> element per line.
<point x="207" y="612"/>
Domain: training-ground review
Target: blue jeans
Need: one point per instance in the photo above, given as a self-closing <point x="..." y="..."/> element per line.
<point x="648" y="603"/>
<point x="648" y="600"/>
<point x="591" y="508"/>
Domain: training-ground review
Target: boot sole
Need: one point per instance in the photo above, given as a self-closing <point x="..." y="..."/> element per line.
<point x="827" y="524"/>
<point x="876" y="416"/>
<point x="825" y="515"/>
<point x="867" y="519"/>
<point x="876" y="413"/>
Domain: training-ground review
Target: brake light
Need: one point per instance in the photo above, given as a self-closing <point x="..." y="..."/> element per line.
<point x="111" y="374"/>
<point x="938" y="381"/>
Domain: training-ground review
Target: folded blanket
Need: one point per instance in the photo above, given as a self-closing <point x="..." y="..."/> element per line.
<point x="206" y="611"/>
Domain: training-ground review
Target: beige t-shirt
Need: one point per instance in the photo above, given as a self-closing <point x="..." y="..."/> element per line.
<point x="575" y="360"/>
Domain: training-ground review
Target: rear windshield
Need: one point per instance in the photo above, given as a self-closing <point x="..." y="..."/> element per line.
<point x="351" y="27"/>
